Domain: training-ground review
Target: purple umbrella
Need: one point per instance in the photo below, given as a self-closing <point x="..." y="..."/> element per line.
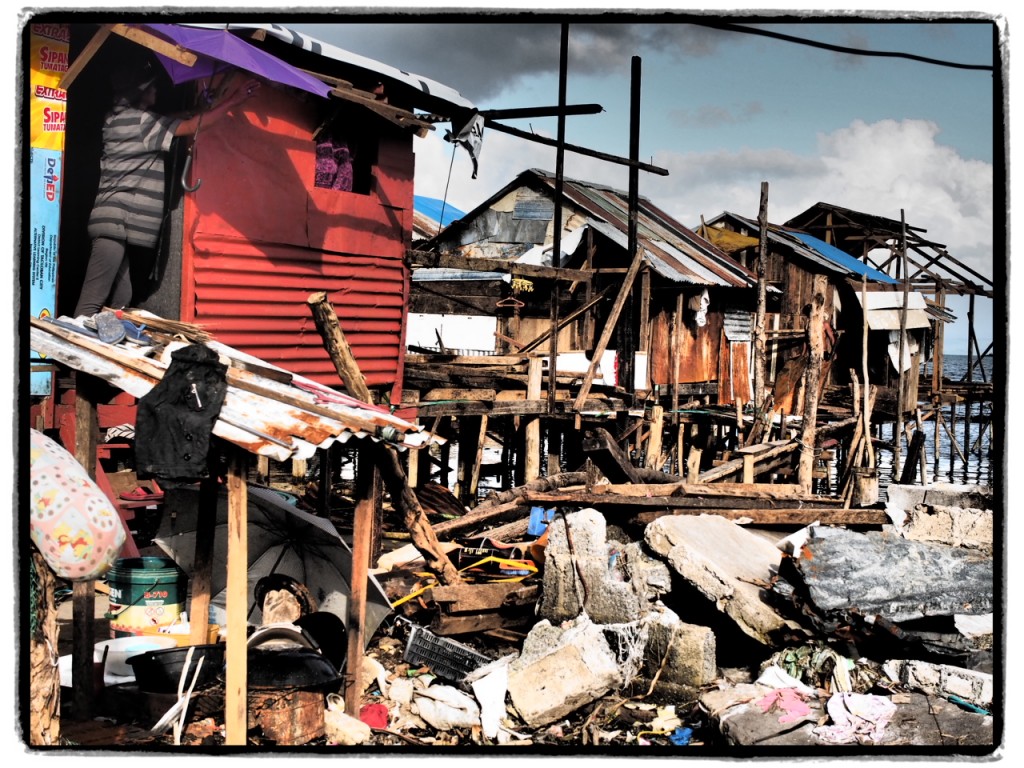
<point x="217" y="49"/>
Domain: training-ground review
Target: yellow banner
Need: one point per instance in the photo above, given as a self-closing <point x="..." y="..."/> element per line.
<point x="48" y="61"/>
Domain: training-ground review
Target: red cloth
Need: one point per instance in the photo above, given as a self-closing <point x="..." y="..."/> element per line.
<point x="374" y="715"/>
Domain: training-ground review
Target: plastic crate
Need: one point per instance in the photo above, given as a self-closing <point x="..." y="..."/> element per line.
<point x="446" y="658"/>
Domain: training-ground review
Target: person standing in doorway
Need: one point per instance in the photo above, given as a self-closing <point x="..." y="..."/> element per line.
<point x="129" y="208"/>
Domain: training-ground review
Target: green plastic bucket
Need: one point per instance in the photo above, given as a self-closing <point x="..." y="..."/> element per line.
<point x="145" y="592"/>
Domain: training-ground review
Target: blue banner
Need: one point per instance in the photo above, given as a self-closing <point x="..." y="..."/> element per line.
<point x="45" y="171"/>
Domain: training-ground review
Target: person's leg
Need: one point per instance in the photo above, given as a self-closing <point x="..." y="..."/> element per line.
<point x="107" y="270"/>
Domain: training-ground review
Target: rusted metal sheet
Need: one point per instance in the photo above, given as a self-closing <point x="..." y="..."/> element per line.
<point x="262" y="414"/>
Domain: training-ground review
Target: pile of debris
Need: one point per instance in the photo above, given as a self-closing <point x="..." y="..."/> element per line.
<point x="694" y="631"/>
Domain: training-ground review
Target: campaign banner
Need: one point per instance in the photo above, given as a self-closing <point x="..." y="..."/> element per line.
<point x="48" y="61"/>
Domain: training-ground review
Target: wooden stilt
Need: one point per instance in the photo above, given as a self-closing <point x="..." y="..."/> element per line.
<point x="816" y="343"/>
<point x="361" y="545"/>
<point x="534" y="374"/>
<point x="202" y="571"/>
<point x="83" y="593"/>
<point x="237" y="662"/>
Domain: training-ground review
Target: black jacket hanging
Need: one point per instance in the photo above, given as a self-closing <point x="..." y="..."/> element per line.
<point x="175" y="419"/>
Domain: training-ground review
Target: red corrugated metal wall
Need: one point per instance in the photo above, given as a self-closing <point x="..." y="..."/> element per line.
<point x="260" y="238"/>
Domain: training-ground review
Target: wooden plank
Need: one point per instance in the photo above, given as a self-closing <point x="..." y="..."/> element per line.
<point x="400" y="117"/>
<point x="478" y="458"/>
<point x="464" y="598"/>
<point x="609" y="329"/>
<point x="535" y="373"/>
<point x="800" y="517"/>
<point x="75" y="68"/>
<point x="653" y="460"/>
<point x="83" y="594"/>
<point x="155" y="44"/>
<point x="237" y="662"/>
<point x="791" y="492"/>
<point x="452" y="393"/>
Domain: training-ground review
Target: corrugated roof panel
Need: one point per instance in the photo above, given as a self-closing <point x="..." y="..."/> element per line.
<point x="260" y="414"/>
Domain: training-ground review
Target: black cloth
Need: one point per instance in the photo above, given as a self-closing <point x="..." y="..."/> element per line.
<point x="175" y="419"/>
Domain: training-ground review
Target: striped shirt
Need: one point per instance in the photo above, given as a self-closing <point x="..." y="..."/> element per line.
<point x="130" y="200"/>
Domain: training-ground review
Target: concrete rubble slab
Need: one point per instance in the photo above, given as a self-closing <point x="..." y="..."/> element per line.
<point x="883" y="574"/>
<point x="725" y="563"/>
<point x="560" y="669"/>
<point x="958" y="516"/>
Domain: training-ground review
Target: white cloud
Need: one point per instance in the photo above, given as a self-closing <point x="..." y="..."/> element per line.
<point x="878" y="168"/>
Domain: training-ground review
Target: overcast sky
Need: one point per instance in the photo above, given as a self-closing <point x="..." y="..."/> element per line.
<point x="723" y="111"/>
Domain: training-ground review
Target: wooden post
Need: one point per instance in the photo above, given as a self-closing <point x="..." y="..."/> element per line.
<point x="237" y="662"/>
<point x="675" y="342"/>
<point x="337" y="346"/>
<point x="534" y="374"/>
<point x="901" y="404"/>
<point x="202" y="571"/>
<point x="760" y="356"/>
<point x="478" y="458"/>
<point x="609" y="328"/>
<point x="83" y="593"/>
<point x="816" y="344"/>
<point x="653" y="460"/>
<point x="367" y="478"/>
<point x="938" y="353"/>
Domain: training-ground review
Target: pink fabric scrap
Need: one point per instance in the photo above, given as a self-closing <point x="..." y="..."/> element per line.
<point x="374" y="715"/>
<point x="790" y="701"/>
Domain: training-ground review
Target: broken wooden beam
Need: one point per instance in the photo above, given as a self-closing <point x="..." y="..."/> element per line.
<point x="826" y="516"/>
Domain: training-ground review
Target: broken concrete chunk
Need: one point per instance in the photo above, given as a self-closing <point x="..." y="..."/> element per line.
<point x="883" y="574"/>
<point x="562" y="669"/>
<point x="943" y="680"/>
<point x="683" y="653"/>
<point x="955" y="515"/>
<point x="740" y="714"/>
<point x="726" y="563"/>
<point x="585" y="572"/>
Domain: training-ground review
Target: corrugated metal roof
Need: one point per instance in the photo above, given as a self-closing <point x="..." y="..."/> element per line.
<point x="885" y="308"/>
<point x="426" y="86"/>
<point x="816" y="251"/>
<point x="852" y="265"/>
<point x="260" y="414"/>
<point x="673" y="250"/>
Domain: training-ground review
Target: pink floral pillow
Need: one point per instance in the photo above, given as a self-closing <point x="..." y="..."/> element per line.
<point x="73" y="523"/>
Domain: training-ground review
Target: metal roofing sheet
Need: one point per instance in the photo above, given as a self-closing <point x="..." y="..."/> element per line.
<point x="669" y="263"/>
<point x="427" y="86"/>
<point x="851" y="264"/>
<point x="260" y="414"/>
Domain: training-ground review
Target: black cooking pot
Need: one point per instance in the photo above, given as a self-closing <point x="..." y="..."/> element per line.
<point x="281" y="668"/>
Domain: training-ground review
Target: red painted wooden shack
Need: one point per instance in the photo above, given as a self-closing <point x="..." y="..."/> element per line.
<point x="252" y="229"/>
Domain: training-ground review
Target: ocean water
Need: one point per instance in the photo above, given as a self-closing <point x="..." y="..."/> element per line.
<point x="974" y="458"/>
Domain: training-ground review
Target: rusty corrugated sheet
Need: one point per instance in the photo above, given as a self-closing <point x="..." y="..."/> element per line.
<point x="684" y="255"/>
<point x="260" y="414"/>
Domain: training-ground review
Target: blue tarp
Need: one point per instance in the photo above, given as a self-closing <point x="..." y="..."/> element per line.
<point x="842" y="258"/>
<point x="432" y="207"/>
